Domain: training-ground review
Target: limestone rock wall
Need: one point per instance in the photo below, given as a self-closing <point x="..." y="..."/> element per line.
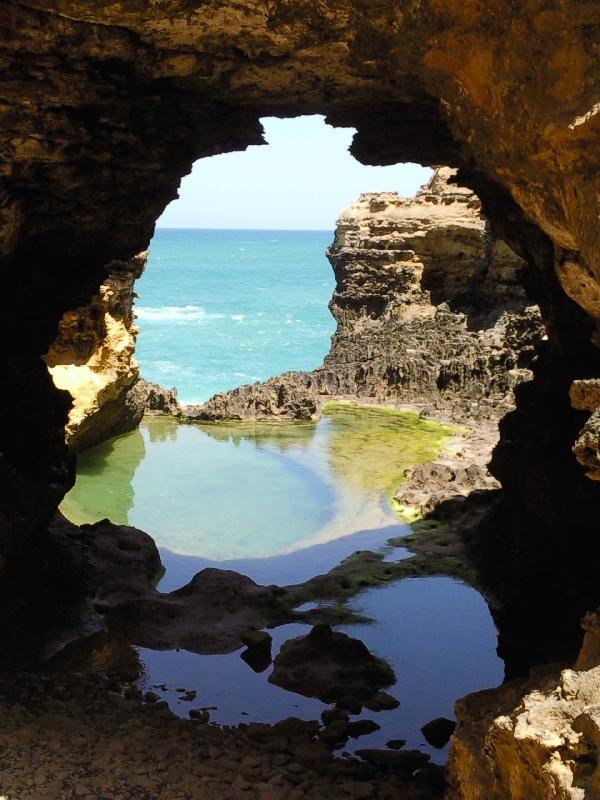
<point x="92" y="358"/>
<point x="533" y="738"/>
<point x="430" y="309"/>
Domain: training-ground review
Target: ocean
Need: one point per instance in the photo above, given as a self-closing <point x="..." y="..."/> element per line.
<point x="220" y="308"/>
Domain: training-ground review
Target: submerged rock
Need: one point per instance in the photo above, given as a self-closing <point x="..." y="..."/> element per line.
<point x="328" y="664"/>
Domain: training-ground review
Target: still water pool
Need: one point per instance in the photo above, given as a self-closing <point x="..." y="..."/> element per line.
<point x="282" y="503"/>
<point x="253" y="490"/>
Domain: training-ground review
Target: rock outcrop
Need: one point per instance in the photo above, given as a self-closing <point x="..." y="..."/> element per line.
<point x="105" y="108"/>
<point x="330" y="665"/>
<point x="430" y="309"/>
<point x="533" y="738"/>
<point x="92" y="358"/>
<point x="585" y="396"/>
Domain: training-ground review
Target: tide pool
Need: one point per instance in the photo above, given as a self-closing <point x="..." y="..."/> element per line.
<point x="282" y="503"/>
<point x="240" y="491"/>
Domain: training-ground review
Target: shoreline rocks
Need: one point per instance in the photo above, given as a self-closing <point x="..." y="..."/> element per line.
<point x="430" y="310"/>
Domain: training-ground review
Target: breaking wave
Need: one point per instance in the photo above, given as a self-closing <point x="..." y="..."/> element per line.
<point x="175" y="314"/>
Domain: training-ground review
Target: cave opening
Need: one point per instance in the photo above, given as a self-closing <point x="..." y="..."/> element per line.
<point x="148" y="477"/>
<point x="104" y="108"/>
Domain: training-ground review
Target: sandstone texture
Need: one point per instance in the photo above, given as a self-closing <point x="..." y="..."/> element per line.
<point x="585" y="396"/>
<point x="430" y="309"/>
<point x="92" y="358"/>
<point x="104" y="107"/>
<point x="538" y="737"/>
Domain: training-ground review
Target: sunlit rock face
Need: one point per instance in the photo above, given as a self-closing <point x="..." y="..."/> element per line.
<point x="104" y="107"/>
<point x="92" y="359"/>
<point x="533" y="738"/>
<point x="430" y="309"/>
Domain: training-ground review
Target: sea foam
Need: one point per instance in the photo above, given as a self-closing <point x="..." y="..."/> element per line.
<point x="175" y="314"/>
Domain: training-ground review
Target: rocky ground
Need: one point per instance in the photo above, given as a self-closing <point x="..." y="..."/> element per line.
<point x="76" y="726"/>
<point x="80" y="738"/>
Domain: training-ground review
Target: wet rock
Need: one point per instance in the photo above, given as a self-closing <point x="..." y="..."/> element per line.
<point x="395" y="744"/>
<point x="329" y="665"/>
<point x="157" y="399"/>
<point x="152" y="697"/>
<point x="336" y="732"/>
<point x="402" y="760"/>
<point x="332" y="714"/>
<point x="207" y="615"/>
<point x="381" y="701"/>
<point x="438" y="732"/>
<point x="349" y="703"/>
<point x="256" y="639"/>
<point x="362" y="727"/>
<point x="199" y="714"/>
<point x="258" y="649"/>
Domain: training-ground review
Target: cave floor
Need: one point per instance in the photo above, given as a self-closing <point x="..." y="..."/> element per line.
<point x="73" y="738"/>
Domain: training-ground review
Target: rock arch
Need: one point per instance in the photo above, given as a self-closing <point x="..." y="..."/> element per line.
<point x="105" y="107"/>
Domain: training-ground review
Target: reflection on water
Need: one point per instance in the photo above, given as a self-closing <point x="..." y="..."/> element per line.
<point x="435" y="632"/>
<point x="282" y="503"/>
<point x="250" y="490"/>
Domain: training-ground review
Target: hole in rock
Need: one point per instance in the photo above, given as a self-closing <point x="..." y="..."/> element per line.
<point x="236" y="290"/>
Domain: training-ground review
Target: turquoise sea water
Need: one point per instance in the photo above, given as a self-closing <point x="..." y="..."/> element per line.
<point x="219" y="308"/>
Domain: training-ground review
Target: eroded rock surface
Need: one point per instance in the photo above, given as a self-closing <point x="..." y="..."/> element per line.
<point x="92" y="358"/>
<point x="585" y="396"/>
<point x="106" y="106"/>
<point x="430" y="309"/>
<point x="533" y="738"/>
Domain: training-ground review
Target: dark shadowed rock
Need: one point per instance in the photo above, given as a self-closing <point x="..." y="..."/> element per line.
<point x="328" y="665"/>
<point x="438" y="731"/>
<point x="258" y="649"/>
<point x="207" y="615"/>
<point x="401" y="760"/>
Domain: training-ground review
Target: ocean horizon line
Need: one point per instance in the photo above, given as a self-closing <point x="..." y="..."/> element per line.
<point x="266" y="230"/>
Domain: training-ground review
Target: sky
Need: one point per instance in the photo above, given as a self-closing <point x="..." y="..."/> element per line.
<point x="301" y="180"/>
